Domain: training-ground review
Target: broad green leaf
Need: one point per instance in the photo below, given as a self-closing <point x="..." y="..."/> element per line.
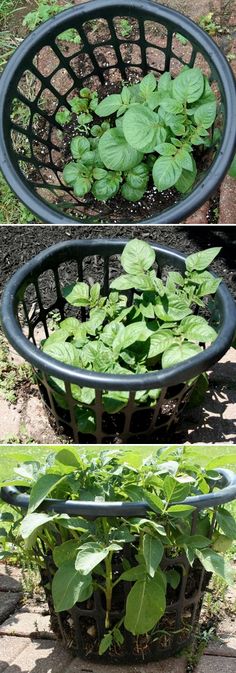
<point x="105" y="643"/>
<point x="91" y="554"/>
<point x="205" y="114"/>
<point x="70" y="587"/>
<point x="188" y="86"/>
<point x="165" y="172"/>
<point x="226" y="522"/>
<point x="42" y="488"/>
<point x="145" y="606"/>
<point x="133" y="574"/>
<point x="171" y="105"/>
<point x="159" y="342"/>
<point x="165" y="83"/>
<point x="109" y="105"/>
<point x="107" y="187"/>
<point x="172" y="307"/>
<point x="201" y="260"/>
<point x="67" y="551"/>
<point x="195" y="541"/>
<point x="65" y="352"/>
<point x="153" y="551"/>
<point x="77" y="294"/>
<point x="123" y="282"/>
<point x="196" y="328"/>
<point x="137" y="177"/>
<point x="114" y="401"/>
<point x="165" y="149"/>
<point x="85" y="419"/>
<point x="116" y="153"/>
<point x="179" y="352"/>
<point x="137" y="256"/>
<point x="185" y="181"/>
<point x="132" y="194"/>
<point x="67" y="457"/>
<point x="173" y="578"/>
<point x="78" y="146"/>
<point x="70" y="325"/>
<point x="147" y="85"/>
<point x="130" y="334"/>
<point x="180" y="510"/>
<point x="214" y="563"/>
<point x="140" y="126"/>
<point x="71" y="173"/>
<point x="33" y="522"/>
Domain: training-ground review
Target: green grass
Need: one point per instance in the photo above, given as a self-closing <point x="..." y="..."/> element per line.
<point x="13" y="455"/>
<point x="13" y="211"/>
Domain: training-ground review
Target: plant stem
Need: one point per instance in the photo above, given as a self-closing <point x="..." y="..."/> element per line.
<point x="109" y="587"/>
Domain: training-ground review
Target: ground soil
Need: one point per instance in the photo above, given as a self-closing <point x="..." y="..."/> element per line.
<point x="20" y="244"/>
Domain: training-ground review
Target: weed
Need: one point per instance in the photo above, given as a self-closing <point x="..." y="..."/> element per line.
<point x="125" y="27"/>
<point x="208" y="24"/>
<point x="11" y="210"/>
<point x="12" y="375"/>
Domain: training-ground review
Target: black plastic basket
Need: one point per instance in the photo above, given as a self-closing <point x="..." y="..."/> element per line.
<point x="177" y="626"/>
<point x="29" y="144"/>
<point x="26" y="313"/>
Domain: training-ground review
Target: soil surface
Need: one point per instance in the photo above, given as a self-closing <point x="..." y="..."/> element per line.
<point x="19" y="244"/>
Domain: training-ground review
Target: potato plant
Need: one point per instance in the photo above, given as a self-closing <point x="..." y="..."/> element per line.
<point x="89" y="555"/>
<point x="149" y="137"/>
<point x="158" y="330"/>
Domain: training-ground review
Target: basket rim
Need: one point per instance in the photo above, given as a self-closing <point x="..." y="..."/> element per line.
<point x="179" y="373"/>
<point x="218" y="168"/>
<point x="91" y="509"/>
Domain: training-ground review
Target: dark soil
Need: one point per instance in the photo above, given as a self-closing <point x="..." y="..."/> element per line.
<point x="19" y="244"/>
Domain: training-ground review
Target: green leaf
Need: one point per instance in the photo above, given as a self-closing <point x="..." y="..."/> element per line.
<point x="67" y="457"/>
<point x="106" y="188"/>
<point x="105" y="643"/>
<point x="172" y="106"/>
<point x="153" y="551"/>
<point x="137" y="256"/>
<point x="214" y="563"/>
<point x="147" y="85"/>
<point x="137" y="177"/>
<point x="91" y="554"/>
<point x="81" y="186"/>
<point x="133" y="574"/>
<point x="205" y="114"/>
<point x="71" y="173"/>
<point x="42" y="488"/>
<point x="64" y="352"/>
<point x="179" y="352"/>
<point x="145" y="606"/>
<point x="226" y="522"/>
<point x="70" y="587"/>
<point x="180" y="510"/>
<point x="109" y="105"/>
<point x="165" y="83"/>
<point x="171" y="308"/>
<point x="201" y="260"/>
<point x="173" y="578"/>
<point x="165" y="172"/>
<point x="140" y="126"/>
<point x="188" y="85"/>
<point x="78" y="146"/>
<point x="129" y="335"/>
<point x="232" y="169"/>
<point x="196" y="328"/>
<point x="77" y="294"/>
<point x="116" y="153"/>
<point x="66" y="551"/>
<point x="165" y="149"/>
<point x="131" y="194"/>
<point x="85" y="419"/>
<point x="221" y="461"/>
<point x="114" y="401"/>
<point x="33" y="522"/>
<point x="159" y="342"/>
<point x="185" y="181"/>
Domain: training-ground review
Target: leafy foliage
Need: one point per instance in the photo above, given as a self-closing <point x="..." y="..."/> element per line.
<point x="160" y="329"/>
<point x="150" y="135"/>
<point x="89" y="555"/>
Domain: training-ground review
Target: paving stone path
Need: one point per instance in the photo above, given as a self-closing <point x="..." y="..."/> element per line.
<point x="27" y="644"/>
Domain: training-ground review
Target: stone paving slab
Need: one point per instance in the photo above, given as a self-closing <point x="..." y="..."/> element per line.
<point x="215" y="665"/>
<point x="42" y="656"/>
<point x="24" y="623"/>
<point x="172" y="665"/>
<point x="10" y="648"/>
<point x="8" y="603"/>
<point x="10" y="578"/>
<point x="225" y="645"/>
